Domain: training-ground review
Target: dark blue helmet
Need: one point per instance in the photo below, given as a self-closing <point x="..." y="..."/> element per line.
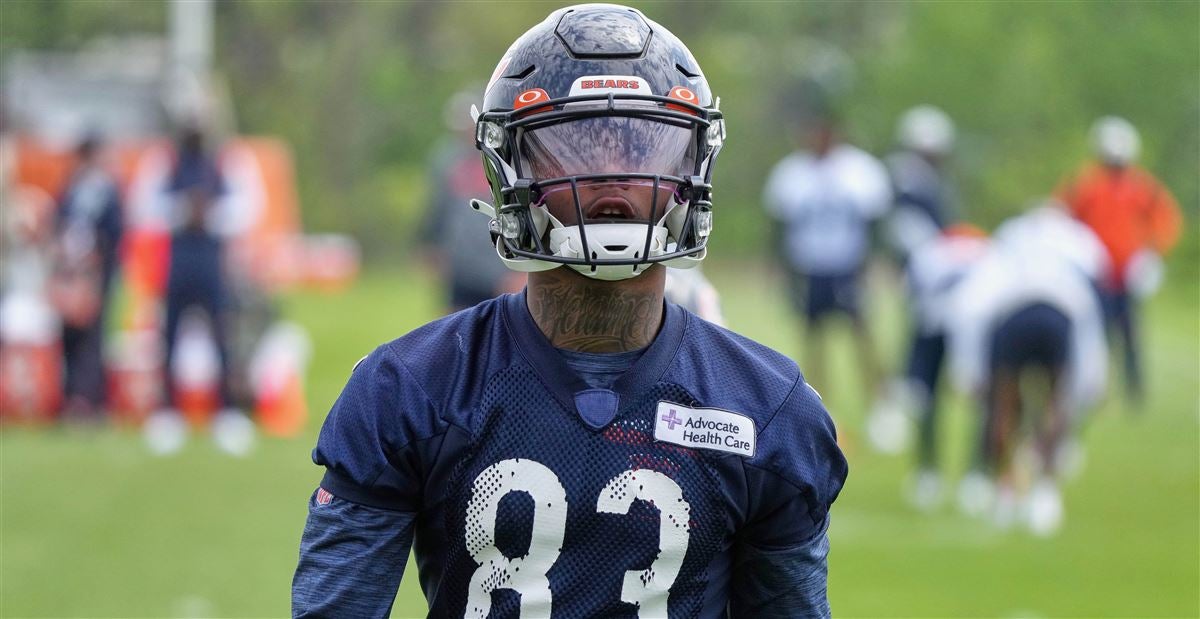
<point x="594" y="98"/>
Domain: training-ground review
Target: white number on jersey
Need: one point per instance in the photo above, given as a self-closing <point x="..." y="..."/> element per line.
<point x="648" y="588"/>
<point x="497" y="571"/>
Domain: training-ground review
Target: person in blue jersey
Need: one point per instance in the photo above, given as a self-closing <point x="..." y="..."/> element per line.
<point x="924" y="202"/>
<point x="932" y="272"/>
<point x="581" y="448"/>
<point x="90" y="227"/>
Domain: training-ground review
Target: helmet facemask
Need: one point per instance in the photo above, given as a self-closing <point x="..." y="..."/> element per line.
<point x="608" y="184"/>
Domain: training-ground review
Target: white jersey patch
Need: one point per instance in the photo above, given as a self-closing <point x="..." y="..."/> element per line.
<point x="704" y="428"/>
<point x="604" y="84"/>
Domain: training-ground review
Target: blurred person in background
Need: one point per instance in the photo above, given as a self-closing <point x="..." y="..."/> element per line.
<point x="456" y="237"/>
<point x="924" y="203"/>
<point x="1138" y="221"/>
<point x="197" y="290"/>
<point x="89" y="229"/>
<point x="824" y="200"/>
<point x="583" y="449"/>
<point x="691" y="290"/>
<point x="934" y="269"/>
<point x="30" y="326"/>
<point x="1026" y="320"/>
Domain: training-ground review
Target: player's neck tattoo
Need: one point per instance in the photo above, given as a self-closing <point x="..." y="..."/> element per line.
<point x="579" y="313"/>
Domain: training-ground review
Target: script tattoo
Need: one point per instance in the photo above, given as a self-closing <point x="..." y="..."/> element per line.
<point x="594" y="316"/>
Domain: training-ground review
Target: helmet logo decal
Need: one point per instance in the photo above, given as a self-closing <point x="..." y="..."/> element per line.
<point x="530" y="98"/>
<point x="602" y="84"/>
<point x="614" y="84"/>
<point x="680" y="93"/>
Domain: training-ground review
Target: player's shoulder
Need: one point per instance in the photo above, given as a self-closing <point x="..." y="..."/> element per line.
<point x="797" y="162"/>
<point x="796" y="441"/>
<point x="853" y="160"/>
<point x="409" y="393"/>
<point x="443" y="358"/>
<point x="447" y="339"/>
<point x="731" y="371"/>
<point x="850" y="154"/>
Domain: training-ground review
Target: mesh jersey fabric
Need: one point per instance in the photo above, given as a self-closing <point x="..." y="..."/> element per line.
<point x="471" y="423"/>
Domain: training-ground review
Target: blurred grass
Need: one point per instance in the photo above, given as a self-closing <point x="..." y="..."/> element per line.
<point x="90" y="525"/>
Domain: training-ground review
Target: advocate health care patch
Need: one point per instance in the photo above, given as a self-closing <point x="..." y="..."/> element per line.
<point x="704" y="428"/>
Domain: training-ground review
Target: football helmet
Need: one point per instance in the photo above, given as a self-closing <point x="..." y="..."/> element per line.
<point x="926" y="129"/>
<point x="1115" y="141"/>
<point x="599" y="133"/>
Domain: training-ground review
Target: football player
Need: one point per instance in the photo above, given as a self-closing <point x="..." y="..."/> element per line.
<point x="1138" y="221"/>
<point x="1029" y="309"/>
<point x="824" y="201"/>
<point x="924" y="203"/>
<point x="580" y="449"/>
<point x="932" y="272"/>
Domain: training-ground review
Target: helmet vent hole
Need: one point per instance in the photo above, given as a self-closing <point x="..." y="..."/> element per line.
<point x="594" y="255"/>
<point x="522" y="75"/>
<point x="614" y="248"/>
<point x="685" y="72"/>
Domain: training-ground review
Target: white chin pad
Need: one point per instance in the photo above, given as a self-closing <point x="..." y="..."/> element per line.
<point x="609" y="241"/>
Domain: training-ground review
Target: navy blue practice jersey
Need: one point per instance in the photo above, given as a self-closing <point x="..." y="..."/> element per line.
<point x="533" y="495"/>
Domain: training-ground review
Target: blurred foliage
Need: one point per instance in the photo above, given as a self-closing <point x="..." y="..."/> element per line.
<point x="359" y="88"/>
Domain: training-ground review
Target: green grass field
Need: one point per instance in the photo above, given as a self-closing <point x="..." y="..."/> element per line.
<point x="90" y="525"/>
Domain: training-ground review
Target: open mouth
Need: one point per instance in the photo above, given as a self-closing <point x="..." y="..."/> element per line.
<point x="610" y="208"/>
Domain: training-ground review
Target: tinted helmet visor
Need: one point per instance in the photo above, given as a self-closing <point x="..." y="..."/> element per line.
<point x="610" y="145"/>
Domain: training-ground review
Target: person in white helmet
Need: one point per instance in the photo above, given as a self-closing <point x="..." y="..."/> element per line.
<point x="924" y="202"/>
<point x="1138" y="221"/>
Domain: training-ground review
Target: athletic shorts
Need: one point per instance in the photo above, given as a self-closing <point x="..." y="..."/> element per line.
<point x="819" y="295"/>
<point x="1034" y="335"/>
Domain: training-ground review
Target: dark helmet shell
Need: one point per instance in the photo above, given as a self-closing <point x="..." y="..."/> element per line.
<point x="632" y="67"/>
<point x="594" y="39"/>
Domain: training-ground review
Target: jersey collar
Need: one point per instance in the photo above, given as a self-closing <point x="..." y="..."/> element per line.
<point x="558" y="376"/>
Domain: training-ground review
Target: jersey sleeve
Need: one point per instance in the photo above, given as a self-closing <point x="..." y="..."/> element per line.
<point x="1164" y="221"/>
<point x="787" y="583"/>
<point x="796" y="473"/>
<point x="352" y="558"/>
<point x="793" y="479"/>
<point x="369" y="442"/>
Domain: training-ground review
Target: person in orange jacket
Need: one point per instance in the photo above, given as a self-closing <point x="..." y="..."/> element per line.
<point x="1138" y="221"/>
